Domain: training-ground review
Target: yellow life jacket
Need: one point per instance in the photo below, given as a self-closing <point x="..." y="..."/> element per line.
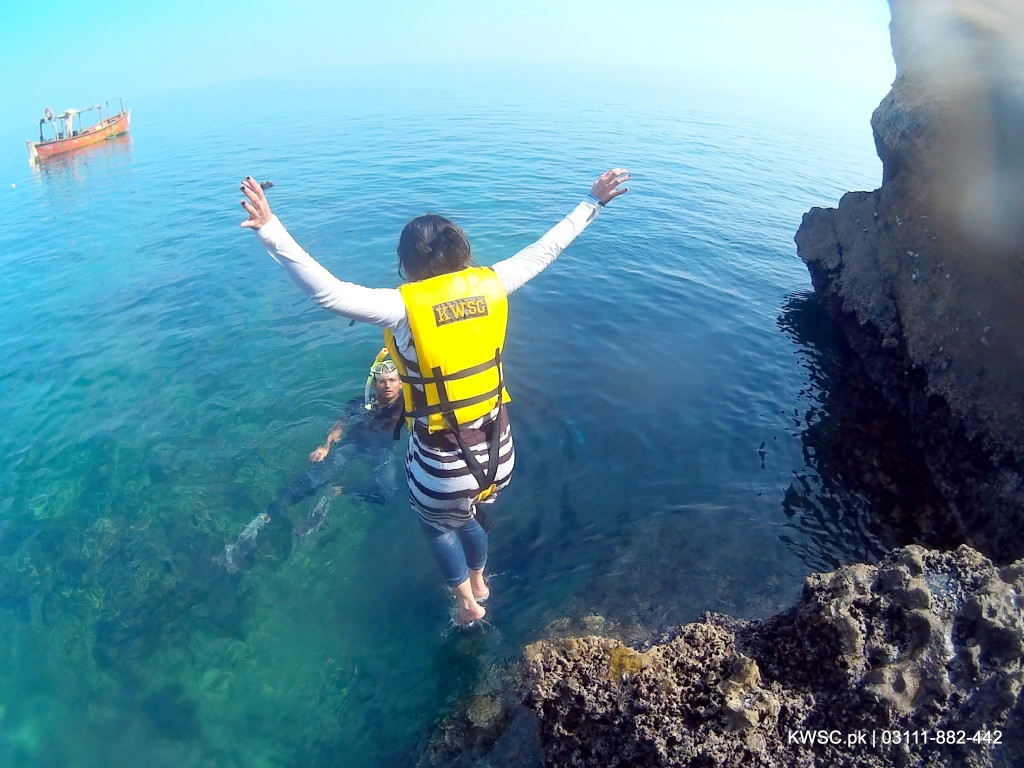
<point x="458" y="323"/>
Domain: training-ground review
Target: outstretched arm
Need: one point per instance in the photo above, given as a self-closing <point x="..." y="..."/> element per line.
<point x="516" y="271"/>
<point x="378" y="306"/>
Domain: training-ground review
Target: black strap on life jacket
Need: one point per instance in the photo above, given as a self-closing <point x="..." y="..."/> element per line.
<point x="444" y="406"/>
<point x="484" y="478"/>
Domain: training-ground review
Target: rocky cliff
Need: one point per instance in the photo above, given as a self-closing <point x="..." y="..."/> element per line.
<point x="918" y="661"/>
<point x="925" y="275"/>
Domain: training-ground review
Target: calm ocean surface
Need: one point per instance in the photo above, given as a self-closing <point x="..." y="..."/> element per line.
<point x="162" y="379"/>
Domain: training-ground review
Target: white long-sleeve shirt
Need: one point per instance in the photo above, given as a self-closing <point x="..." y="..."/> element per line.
<point x="384" y="306"/>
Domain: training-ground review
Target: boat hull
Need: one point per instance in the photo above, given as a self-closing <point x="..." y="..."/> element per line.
<point x="107" y="129"/>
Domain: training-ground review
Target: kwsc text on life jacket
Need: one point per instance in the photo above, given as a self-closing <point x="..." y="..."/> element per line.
<point x="459" y="309"/>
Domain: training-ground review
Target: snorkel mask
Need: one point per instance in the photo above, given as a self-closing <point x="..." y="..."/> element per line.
<point x="380" y="366"/>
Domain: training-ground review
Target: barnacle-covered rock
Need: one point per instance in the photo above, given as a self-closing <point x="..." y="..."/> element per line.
<point x="923" y="643"/>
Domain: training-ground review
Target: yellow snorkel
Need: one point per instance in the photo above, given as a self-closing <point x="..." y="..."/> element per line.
<point x="369" y="396"/>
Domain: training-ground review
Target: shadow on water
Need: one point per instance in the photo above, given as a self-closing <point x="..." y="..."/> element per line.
<point x="485" y="722"/>
<point x="864" y="488"/>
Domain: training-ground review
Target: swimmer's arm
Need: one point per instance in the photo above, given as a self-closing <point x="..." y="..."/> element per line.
<point x="517" y="270"/>
<point x="377" y="306"/>
<point x="334" y="436"/>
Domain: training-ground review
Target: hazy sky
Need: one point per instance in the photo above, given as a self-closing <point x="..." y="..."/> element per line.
<point x="61" y="53"/>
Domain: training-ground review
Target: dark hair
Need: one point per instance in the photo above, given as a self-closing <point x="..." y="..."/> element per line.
<point x="432" y="245"/>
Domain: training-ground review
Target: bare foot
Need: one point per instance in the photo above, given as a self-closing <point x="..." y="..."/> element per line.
<point x="469" y="611"/>
<point x="480" y="589"/>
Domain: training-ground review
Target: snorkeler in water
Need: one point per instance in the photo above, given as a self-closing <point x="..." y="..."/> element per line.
<point x="366" y="428"/>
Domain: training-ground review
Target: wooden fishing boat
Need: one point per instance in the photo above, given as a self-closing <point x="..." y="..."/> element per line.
<point x="59" y="134"/>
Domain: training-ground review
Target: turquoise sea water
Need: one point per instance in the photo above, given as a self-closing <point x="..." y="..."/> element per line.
<point x="162" y="379"/>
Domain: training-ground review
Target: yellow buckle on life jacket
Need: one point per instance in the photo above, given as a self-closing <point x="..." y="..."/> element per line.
<point x="486" y="492"/>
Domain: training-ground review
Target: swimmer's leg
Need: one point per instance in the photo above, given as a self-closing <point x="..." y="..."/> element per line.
<point x="293" y="494"/>
<point x="448" y="552"/>
<point x="385" y="483"/>
<point x="316" y="517"/>
<point x="319" y="475"/>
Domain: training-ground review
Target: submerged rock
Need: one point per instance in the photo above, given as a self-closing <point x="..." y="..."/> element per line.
<point x="917" y="661"/>
<point x="924" y="274"/>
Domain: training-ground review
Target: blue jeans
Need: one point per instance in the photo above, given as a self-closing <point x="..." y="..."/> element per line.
<point x="457" y="551"/>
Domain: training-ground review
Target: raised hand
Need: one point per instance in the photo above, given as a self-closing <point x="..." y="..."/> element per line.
<point x="606" y="186"/>
<point x="256" y="206"/>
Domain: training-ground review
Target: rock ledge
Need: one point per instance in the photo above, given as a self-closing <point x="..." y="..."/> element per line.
<point x="910" y="654"/>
